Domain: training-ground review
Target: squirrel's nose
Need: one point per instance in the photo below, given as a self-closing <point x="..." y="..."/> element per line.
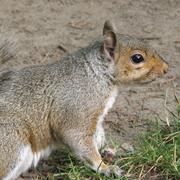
<point x="165" y="67"/>
<point x="165" y="71"/>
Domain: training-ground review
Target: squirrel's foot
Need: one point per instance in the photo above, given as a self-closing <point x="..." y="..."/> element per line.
<point x="113" y="170"/>
<point x="109" y="154"/>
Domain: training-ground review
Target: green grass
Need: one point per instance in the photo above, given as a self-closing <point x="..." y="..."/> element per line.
<point x="157" y="155"/>
<point x="63" y="165"/>
<point x="157" y="152"/>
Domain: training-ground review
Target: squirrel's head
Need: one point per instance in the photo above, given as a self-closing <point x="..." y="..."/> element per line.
<point x="134" y="60"/>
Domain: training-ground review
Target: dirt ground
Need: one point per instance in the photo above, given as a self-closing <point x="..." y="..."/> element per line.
<point x="48" y="29"/>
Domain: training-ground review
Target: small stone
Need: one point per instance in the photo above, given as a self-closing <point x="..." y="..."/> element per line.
<point x="127" y="147"/>
<point x="148" y="28"/>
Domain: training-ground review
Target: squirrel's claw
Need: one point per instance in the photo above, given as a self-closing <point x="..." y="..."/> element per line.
<point x="114" y="170"/>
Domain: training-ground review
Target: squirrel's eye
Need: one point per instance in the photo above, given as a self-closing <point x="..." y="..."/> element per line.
<point x="137" y="58"/>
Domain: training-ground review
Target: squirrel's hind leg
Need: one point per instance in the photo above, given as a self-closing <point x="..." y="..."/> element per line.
<point x="23" y="162"/>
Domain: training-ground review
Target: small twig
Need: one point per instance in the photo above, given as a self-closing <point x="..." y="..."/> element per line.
<point x="61" y="47"/>
<point x="46" y="56"/>
<point x="169" y="80"/>
<point x="176" y="98"/>
<point x="99" y="166"/>
<point x="176" y="42"/>
<point x="175" y="95"/>
<point x="129" y="170"/>
<point x="152" y="167"/>
<point x="150" y="38"/>
<point x="140" y="174"/>
<point x="165" y="104"/>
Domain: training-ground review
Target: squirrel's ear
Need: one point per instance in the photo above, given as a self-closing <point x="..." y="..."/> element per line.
<point x="108" y="26"/>
<point x="109" y="45"/>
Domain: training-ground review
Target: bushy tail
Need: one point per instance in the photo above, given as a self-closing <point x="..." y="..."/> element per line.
<point x="8" y="47"/>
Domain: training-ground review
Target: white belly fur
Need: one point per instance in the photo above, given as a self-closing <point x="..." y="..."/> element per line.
<point x="27" y="159"/>
<point x="99" y="136"/>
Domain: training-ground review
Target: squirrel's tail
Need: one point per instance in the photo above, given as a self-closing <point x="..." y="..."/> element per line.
<point x="8" y="47"/>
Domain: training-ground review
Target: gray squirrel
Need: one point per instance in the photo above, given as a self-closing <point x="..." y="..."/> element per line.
<point x="65" y="102"/>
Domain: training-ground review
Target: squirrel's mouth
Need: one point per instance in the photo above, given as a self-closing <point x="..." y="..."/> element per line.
<point x="150" y="78"/>
<point x="148" y="81"/>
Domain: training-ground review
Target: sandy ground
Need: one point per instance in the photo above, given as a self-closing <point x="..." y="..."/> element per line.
<point x="48" y="29"/>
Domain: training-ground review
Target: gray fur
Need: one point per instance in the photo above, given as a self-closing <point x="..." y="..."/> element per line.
<point x="48" y="98"/>
<point x="43" y="105"/>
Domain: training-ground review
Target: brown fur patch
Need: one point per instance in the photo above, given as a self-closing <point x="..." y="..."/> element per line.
<point x="36" y="139"/>
<point x="94" y="120"/>
<point x="95" y="117"/>
<point x="1" y="173"/>
<point x="94" y="158"/>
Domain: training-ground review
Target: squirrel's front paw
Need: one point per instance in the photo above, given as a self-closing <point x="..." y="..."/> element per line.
<point x="109" y="154"/>
<point x="114" y="170"/>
